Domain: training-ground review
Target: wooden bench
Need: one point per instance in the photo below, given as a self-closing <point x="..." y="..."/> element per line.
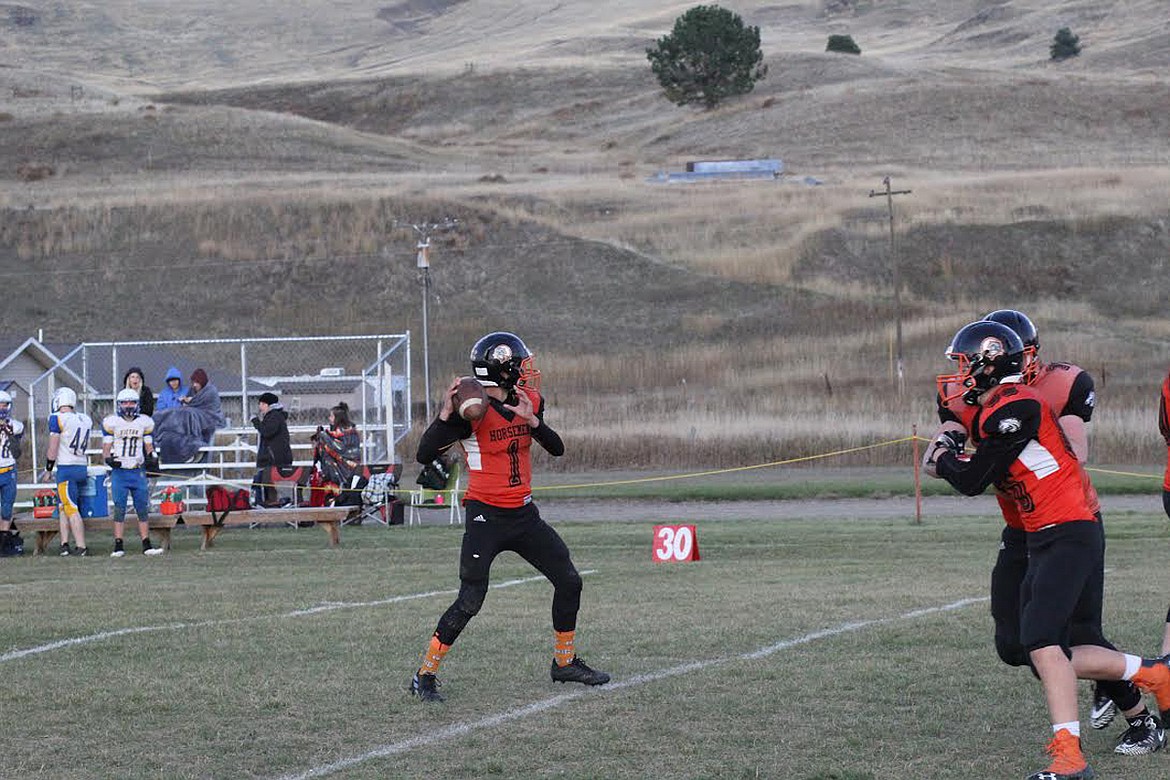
<point x="48" y="527"/>
<point x="327" y="517"/>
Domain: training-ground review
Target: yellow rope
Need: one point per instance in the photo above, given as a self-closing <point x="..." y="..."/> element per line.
<point x="712" y="472"/>
<point x="1123" y="473"/>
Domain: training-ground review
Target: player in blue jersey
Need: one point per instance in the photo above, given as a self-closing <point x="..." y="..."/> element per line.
<point x="10" y="433"/>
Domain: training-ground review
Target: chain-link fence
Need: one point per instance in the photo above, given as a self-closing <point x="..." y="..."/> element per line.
<point x="370" y="374"/>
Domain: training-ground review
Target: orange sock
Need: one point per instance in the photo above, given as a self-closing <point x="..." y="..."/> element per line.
<point x="433" y="656"/>
<point x="563" y="652"/>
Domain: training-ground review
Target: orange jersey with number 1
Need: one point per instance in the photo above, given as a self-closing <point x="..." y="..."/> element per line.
<point x="499" y="462"/>
<point x="1164" y="426"/>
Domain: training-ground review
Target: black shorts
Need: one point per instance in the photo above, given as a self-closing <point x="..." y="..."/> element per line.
<point x="1061" y="587"/>
<point x="1007" y="580"/>
<point x="489" y="531"/>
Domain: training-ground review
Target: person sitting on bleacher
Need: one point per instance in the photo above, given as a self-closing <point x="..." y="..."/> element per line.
<point x="170" y="397"/>
<point x="337" y="453"/>
<point x="180" y="432"/>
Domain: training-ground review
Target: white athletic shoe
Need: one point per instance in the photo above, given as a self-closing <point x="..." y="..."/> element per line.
<point x="117" y="553"/>
<point x="153" y="551"/>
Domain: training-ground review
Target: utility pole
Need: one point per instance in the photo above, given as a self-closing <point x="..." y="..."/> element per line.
<point x="423" y="262"/>
<point x="424" y="267"/>
<point x="900" y="362"/>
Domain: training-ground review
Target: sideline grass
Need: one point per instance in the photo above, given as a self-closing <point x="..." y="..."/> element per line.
<point x="258" y="693"/>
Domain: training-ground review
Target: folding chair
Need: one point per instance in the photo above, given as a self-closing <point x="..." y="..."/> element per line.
<point x="286" y="486"/>
<point x="382" y="512"/>
<point x="446" y="499"/>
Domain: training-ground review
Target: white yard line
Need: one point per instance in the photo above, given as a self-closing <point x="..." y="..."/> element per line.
<point x="519" y="713"/>
<point x="328" y="607"/>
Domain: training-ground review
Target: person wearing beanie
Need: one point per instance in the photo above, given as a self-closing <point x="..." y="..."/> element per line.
<point x="198" y="381"/>
<point x="135" y="380"/>
<point x="275" y="448"/>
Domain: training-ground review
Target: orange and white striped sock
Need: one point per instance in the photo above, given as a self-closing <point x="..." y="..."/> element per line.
<point x="433" y="656"/>
<point x="563" y="652"/>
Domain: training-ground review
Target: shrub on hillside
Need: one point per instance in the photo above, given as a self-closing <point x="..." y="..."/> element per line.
<point x="708" y="56"/>
<point x="1065" y="44"/>
<point x="33" y="171"/>
<point x="843" y="43"/>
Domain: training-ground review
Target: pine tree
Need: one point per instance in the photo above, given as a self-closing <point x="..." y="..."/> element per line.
<point x="710" y="55"/>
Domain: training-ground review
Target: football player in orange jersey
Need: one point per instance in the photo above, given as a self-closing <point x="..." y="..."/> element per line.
<point x="1021" y="449"/>
<point x="498" y="505"/>
<point x="1164" y="427"/>
<point x="1070" y="392"/>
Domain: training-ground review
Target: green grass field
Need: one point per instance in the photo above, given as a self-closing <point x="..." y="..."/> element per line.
<point x="847" y="650"/>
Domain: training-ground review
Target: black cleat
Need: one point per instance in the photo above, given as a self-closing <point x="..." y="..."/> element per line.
<point x="1144" y="735"/>
<point x="1103" y="710"/>
<point x="577" y="671"/>
<point x="425" y="687"/>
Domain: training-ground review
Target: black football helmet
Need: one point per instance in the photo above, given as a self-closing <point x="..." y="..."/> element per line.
<point x="986" y="352"/>
<point x="1019" y="322"/>
<point x="501" y="359"/>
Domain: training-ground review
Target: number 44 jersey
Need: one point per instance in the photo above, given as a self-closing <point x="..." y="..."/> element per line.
<point x="127" y="438"/>
<point x="73" y="428"/>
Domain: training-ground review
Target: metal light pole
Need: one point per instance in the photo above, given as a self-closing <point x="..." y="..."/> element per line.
<point x="424" y="266"/>
<point x="900" y="363"/>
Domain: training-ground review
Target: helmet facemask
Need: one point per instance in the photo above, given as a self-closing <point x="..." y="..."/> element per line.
<point x="127" y="404"/>
<point x="986" y="353"/>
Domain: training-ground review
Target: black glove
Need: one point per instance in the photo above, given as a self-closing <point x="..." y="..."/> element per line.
<point x="150" y="463"/>
<point x="113" y="462"/>
<point x="255" y="422"/>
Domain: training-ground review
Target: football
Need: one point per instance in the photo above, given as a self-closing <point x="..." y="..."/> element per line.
<point x="470" y="399"/>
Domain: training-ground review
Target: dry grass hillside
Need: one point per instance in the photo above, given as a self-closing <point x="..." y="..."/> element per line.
<point x="248" y="168"/>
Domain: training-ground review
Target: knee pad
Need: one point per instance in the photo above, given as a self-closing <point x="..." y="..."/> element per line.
<point x="1012" y="653"/>
<point x="119" y="514"/>
<point x="470" y="598"/>
<point x="570" y="583"/>
<point x="462" y="610"/>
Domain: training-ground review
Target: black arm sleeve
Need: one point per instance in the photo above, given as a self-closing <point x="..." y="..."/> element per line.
<point x="1019" y="422"/>
<point x="14" y="445"/>
<point x="1081" y="398"/>
<point x="545" y="436"/>
<point x="440" y="435"/>
<point x="549" y="439"/>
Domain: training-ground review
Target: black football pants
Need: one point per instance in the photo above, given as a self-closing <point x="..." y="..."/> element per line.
<point x="490" y="530"/>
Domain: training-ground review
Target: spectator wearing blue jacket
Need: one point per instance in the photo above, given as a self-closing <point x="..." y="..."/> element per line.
<point x="168" y="397"/>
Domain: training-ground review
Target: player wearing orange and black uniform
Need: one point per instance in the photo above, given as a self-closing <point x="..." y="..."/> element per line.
<point x="1022" y="451"/>
<point x="1070" y="392"/>
<point x="1164" y="427"/>
<point x="498" y="505"/>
